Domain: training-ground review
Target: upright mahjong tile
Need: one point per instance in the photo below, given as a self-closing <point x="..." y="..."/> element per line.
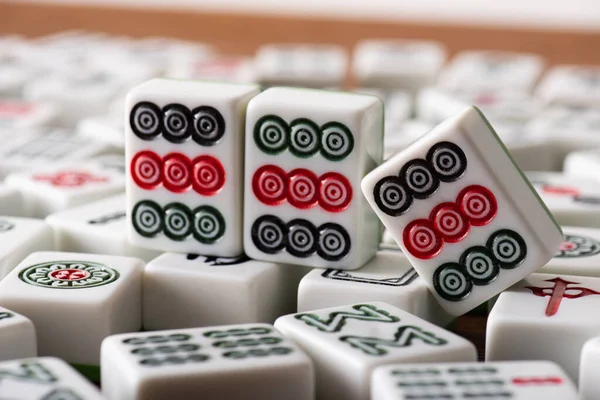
<point x="245" y="362"/>
<point x="306" y="152"/>
<point x="45" y="378"/>
<point x="516" y="380"/>
<point x="463" y="212"/>
<point x="184" y="149"/>
<point x="347" y="343"/>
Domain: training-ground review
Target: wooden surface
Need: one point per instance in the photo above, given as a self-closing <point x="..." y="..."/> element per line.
<point x="242" y="34"/>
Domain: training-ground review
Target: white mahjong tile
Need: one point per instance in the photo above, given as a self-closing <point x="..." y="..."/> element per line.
<point x="218" y="68"/>
<point x="244" y="362"/>
<point x="97" y="227"/>
<point x="398" y="64"/>
<point x="572" y="201"/>
<point x="45" y="378"/>
<point x="304" y="161"/>
<point x="571" y="85"/>
<point x="347" y="343"/>
<point x="106" y="129"/>
<point x="578" y="255"/>
<point x="17" y="337"/>
<point x="388" y="278"/>
<point x="16" y="114"/>
<point x="463" y="212"/>
<point x="75" y="300"/>
<point x="544" y="316"/>
<point x="589" y="385"/>
<point x="516" y="380"/>
<point x="222" y="290"/>
<point x="184" y="151"/>
<point x="583" y="164"/>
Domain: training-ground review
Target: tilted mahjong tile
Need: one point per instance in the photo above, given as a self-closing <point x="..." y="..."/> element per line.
<point x="44" y="378"/>
<point x="578" y="255"/>
<point x="531" y="318"/>
<point x="184" y="150"/>
<point x="583" y="164"/>
<point x="397" y="64"/>
<point x="312" y="65"/>
<point x="208" y="290"/>
<point x="49" y="189"/>
<point x="75" y="300"/>
<point x="20" y="237"/>
<point x="20" y="114"/>
<point x="572" y="201"/>
<point x="571" y="85"/>
<point x="388" y="277"/>
<point x="45" y="147"/>
<point x="304" y="162"/>
<point x="251" y="361"/>
<point x="517" y="380"/>
<point x="98" y="227"/>
<point x="17" y="337"/>
<point x="463" y="212"/>
<point x="347" y="343"/>
<point x="492" y="70"/>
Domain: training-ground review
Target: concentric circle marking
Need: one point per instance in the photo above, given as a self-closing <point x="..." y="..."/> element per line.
<point x="271" y="134"/>
<point x="422" y="240"/>
<point x="508" y="248"/>
<point x="177" y="123"/>
<point x="209" y="225"/>
<point x="269" y="234"/>
<point x="145" y="120"/>
<point x="419" y="179"/>
<point x="302" y="238"/>
<point x="337" y="141"/>
<point x="303" y="188"/>
<point x="209" y="126"/>
<point x="575" y="246"/>
<point x="177" y="175"/>
<point x="208" y="175"/>
<point x="480" y="265"/>
<point x="305" y="138"/>
<point x="451" y="282"/>
<point x="478" y="204"/>
<point x="270" y="185"/>
<point x="69" y="274"/>
<point x="334" y="242"/>
<point x="335" y="194"/>
<point x="146" y="170"/>
<point x="450" y="222"/>
<point x="447" y="160"/>
<point x="177" y="221"/>
<point x="391" y="196"/>
<point x="147" y="218"/>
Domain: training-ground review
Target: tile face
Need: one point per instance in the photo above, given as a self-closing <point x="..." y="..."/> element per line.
<point x="524" y="380"/>
<point x="19" y="114"/>
<point x="251" y="361"/>
<point x="462" y="212"/>
<point x="58" y="187"/>
<point x="492" y="70"/>
<point x="304" y="162"/>
<point x="20" y="237"/>
<point x="184" y="152"/>
<point x="75" y="300"/>
<point x="98" y="227"/>
<point x="398" y="64"/>
<point x="208" y="290"/>
<point x="572" y="201"/>
<point x="388" y="278"/>
<point x="590" y="362"/>
<point x="571" y="85"/>
<point x="309" y="65"/>
<point x="528" y="320"/>
<point x="347" y="343"/>
<point x="44" y="378"/>
<point x="17" y="336"/>
<point x="578" y="255"/>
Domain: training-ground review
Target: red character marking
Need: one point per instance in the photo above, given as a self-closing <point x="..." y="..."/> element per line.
<point x="70" y="178"/>
<point x="558" y="292"/>
<point x="550" y="380"/>
<point x="15" y="108"/>
<point x="561" y="190"/>
<point x="69" y="274"/>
